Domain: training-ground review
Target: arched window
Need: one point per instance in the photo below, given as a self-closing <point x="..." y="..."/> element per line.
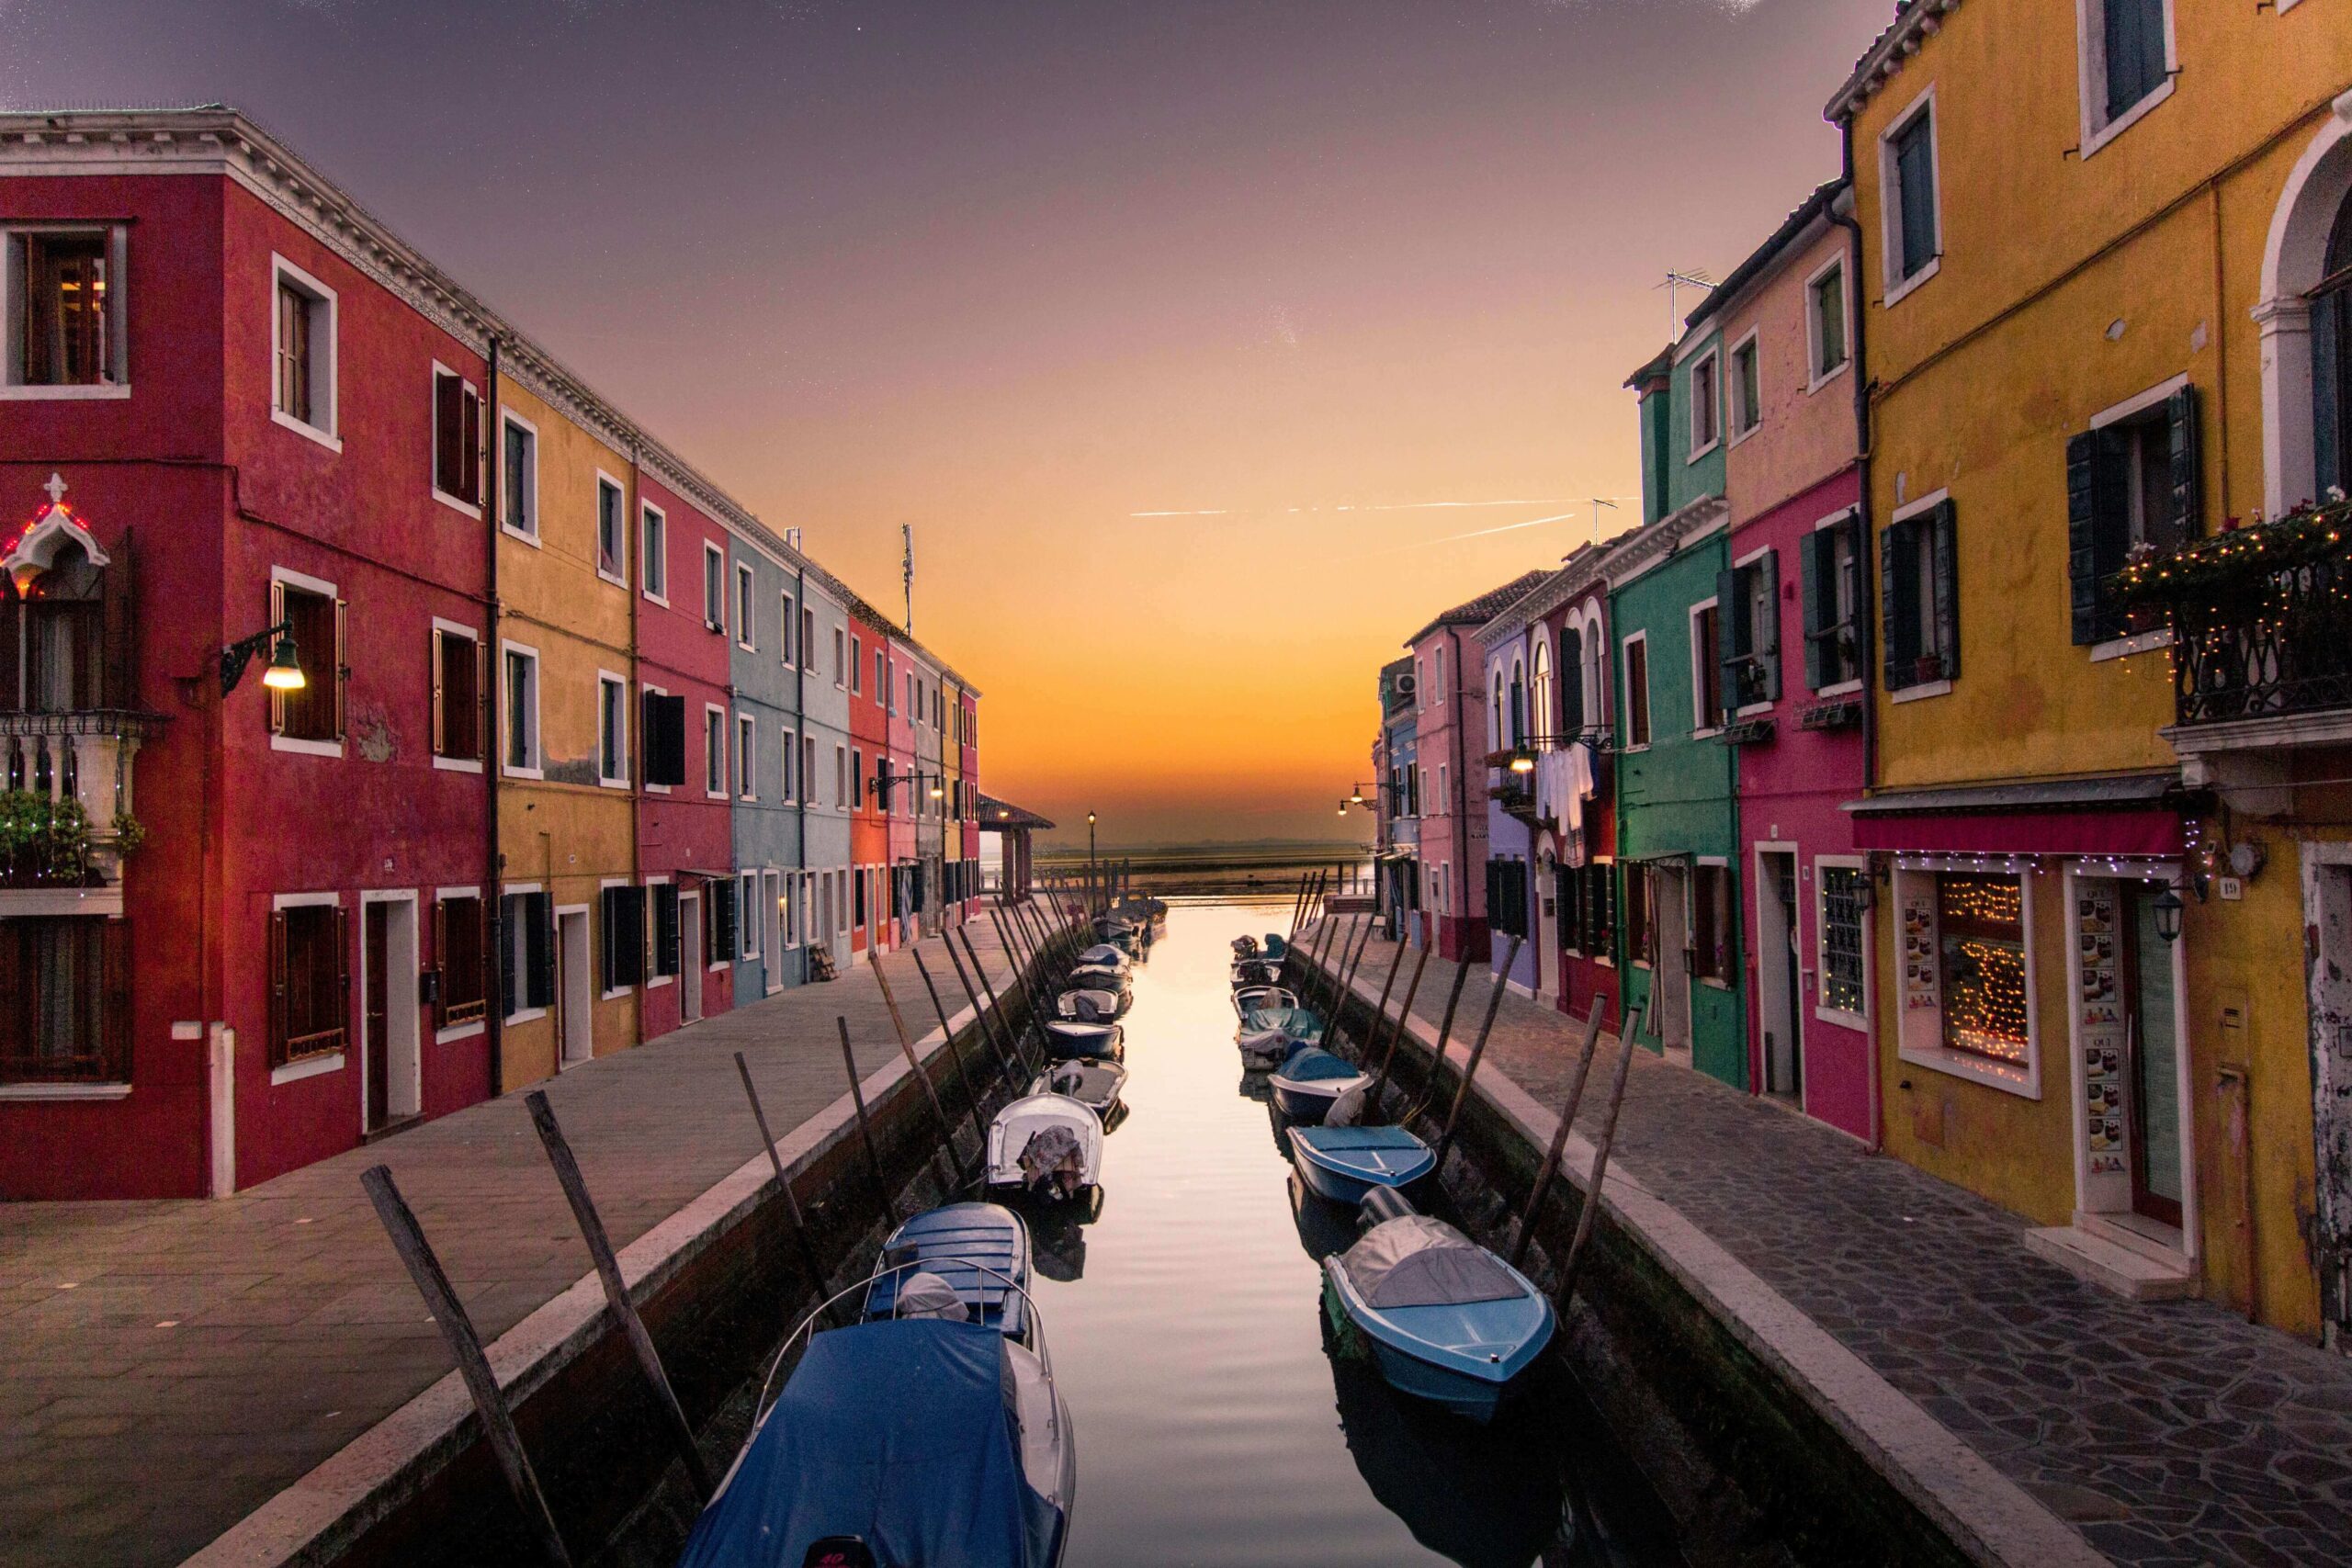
<point x="1518" y="704"/>
<point x="1495" y="729"/>
<point x="2332" y="359"/>
<point x="1572" y="680"/>
<point x="1596" y="673"/>
<point x="1542" y="711"/>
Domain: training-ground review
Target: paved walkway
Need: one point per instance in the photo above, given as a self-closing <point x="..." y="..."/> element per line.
<point x="2171" y="1433"/>
<point x="166" y="1368"/>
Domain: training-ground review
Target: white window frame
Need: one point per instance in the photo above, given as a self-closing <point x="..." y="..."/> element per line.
<point x="432" y="456"/>
<point x="654" y="554"/>
<point x="329" y="434"/>
<point x="117" y="382"/>
<point x="1712" y="355"/>
<point x="515" y="941"/>
<point x="2131" y="407"/>
<point x="1626" y="678"/>
<point x="1890" y="215"/>
<point x="1842" y="517"/>
<point x="530" y="536"/>
<point x="537" y="768"/>
<point x="321" y="586"/>
<point x="1704" y="725"/>
<point x="840" y="677"/>
<point x="747" y="757"/>
<point x="1751" y="345"/>
<point x="1919" y="1035"/>
<point x="714" y="616"/>
<point x="333" y="1061"/>
<point x="714" y="761"/>
<point x="791" y="767"/>
<point x="598" y="936"/>
<point x="1817" y="377"/>
<point x="783" y="649"/>
<point x="620" y="575"/>
<point x="472" y="635"/>
<point x="751" y="920"/>
<point x="2090" y="54"/>
<point x="1821" y="1010"/>
<point x="856" y="665"/>
<point x="650" y="881"/>
<point x="747" y="594"/>
<point x="606" y="683"/>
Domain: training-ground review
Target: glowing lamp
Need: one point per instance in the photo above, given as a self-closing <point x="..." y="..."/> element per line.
<point x="285" y="671"/>
<point x="1522" y="763"/>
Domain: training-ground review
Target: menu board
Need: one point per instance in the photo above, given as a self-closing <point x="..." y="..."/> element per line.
<point x="1921" y="991"/>
<point x="2100" y="1026"/>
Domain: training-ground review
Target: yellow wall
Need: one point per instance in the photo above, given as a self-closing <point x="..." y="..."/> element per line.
<point x="567" y="832"/>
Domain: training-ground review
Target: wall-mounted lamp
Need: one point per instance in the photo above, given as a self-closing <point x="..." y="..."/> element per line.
<point x="2169" y="910"/>
<point x="284" y="672"/>
<point x="1521" y="763"/>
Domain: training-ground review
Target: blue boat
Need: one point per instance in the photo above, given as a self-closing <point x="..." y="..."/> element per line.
<point x="1344" y="1163"/>
<point x="1309" y="1079"/>
<point x="1070" y="1040"/>
<point x="1446" y="1320"/>
<point x="904" y="1442"/>
<point x="981" y="1250"/>
<point x="1269" y="1034"/>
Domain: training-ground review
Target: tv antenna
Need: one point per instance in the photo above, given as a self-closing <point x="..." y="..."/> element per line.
<point x="1678" y="281"/>
<point x="907" y="571"/>
<point x="1598" y="503"/>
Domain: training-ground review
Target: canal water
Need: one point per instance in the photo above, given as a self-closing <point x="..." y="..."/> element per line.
<point x="1216" y="1423"/>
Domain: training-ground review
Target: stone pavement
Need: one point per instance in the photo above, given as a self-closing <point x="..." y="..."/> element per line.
<point x="166" y="1368"/>
<point x="2167" y="1433"/>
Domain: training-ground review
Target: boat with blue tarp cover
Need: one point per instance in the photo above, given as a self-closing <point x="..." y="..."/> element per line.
<point x="902" y="1442"/>
<point x="1310" y="1080"/>
<point x="1344" y="1163"/>
<point x="981" y="1250"/>
<point x="1270" y="1033"/>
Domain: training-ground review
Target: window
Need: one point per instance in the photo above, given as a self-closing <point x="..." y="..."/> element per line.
<point x="881" y="677"/>
<point x="784" y="643"/>
<point x="1572" y="692"/>
<point x="313" y="617"/>
<point x="1714" y="927"/>
<point x="1914" y="224"/>
<point x="1919" y="597"/>
<point x="1824" y="303"/>
<point x="719" y="918"/>
<point x="457" y="948"/>
<point x="456" y="693"/>
<point x="624" y="955"/>
<point x="856" y="664"/>
<point x="2332" y="359"/>
<point x="456" y="439"/>
<point x="308" y="980"/>
<point x="745" y="618"/>
<point x="713" y="588"/>
<point x="857" y="779"/>
<point x="1979" y="964"/>
<point x="841" y="776"/>
<point x="2134" y="479"/>
<point x="1746" y="389"/>
<point x="2126" y="58"/>
<point x="1507" y="897"/>
<point x="666" y="945"/>
<point x="1829" y="563"/>
<point x="62" y="648"/>
<point x="526" y="953"/>
<point x="1497" y="731"/>
<point x="747" y="751"/>
<point x="67" y="328"/>
<point x="518" y="477"/>
<point x="747" y="900"/>
<point x="64" y="1000"/>
<point x="791" y="750"/>
<point x="1706" y="404"/>
<point x="653" y="553"/>
<point x="807" y="649"/>
<point x="1444" y="788"/>
<point x="808" y="769"/>
<point x="1641" y="940"/>
<point x="611" y="530"/>
<point x="662" y="732"/>
<point x="302" y="389"/>
<point x="714" y="757"/>
<point x="1842" y="909"/>
<point x="1706" y="670"/>
<point x="612" y="730"/>
<point x="1600" y="916"/>
<point x="522" y="740"/>
<point x="1749" y="601"/>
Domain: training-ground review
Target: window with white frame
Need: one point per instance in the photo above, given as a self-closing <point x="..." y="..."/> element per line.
<point x="457" y="695"/>
<point x="841" y="776"/>
<point x="1748" y="597"/>
<point x="808" y="769"/>
<point x="611" y="530"/>
<point x="1908" y="176"/>
<point x="66" y="335"/>
<point x="2126" y="50"/>
<point x="612" y="730"/>
<point x="1965" y="973"/>
<point x="789" y="634"/>
<point x="747" y="757"/>
<point x="2134" y="481"/>
<point x="1824" y="320"/>
<point x="746" y="616"/>
<point x="520" y="751"/>
<point x="302" y="351"/>
<point x="457" y="439"/>
<point x="791" y="751"/>
<point x="748" y="901"/>
<point x="1746" y="387"/>
<point x="1829" y="559"/>
<point x="518" y="476"/>
<point x="653" y="552"/>
<point x="714" y="753"/>
<point x="856" y="665"/>
<point x="1844" y="891"/>
<point x="1706" y="403"/>
<point x="714" y="587"/>
<point x="840" y="664"/>
<point x="1638" y="691"/>
<point x="1706" y="670"/>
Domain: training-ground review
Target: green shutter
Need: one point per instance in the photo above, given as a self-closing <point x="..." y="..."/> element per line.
<point x="1943" y="537"/>
<point x="2187" y="464"/>
<point x="1898" y="607"/>
<point x="1732" y="639"/>
<point x="1812" y="577"/>
<point x="1766" y="637"/>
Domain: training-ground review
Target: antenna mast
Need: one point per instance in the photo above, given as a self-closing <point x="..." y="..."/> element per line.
<point x="907" y="572"/>
<point x="1675" y="280"/>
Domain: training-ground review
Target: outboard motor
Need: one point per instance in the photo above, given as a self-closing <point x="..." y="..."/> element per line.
<point x="1383" y="1204"/>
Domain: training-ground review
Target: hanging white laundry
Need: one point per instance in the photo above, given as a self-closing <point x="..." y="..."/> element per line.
<point x="1579" y="759"/>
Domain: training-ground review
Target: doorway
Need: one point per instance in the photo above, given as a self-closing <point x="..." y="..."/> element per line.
<point x="1547" y="929"/>
<point x="2328" y="918"/>
<point x="1670" y="987"/>
<point x="575" y="985"/>
<point x="2152" y="1049"/>
<point x="772" y="933"/>
<point x="690" y="964"/>
<point x="1779" y="986"/>
<point x="390" y="1020"/>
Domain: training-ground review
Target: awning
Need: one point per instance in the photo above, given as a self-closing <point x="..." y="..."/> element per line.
<point x="2127" y="814"/>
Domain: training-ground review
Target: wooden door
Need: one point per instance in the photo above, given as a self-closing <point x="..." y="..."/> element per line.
<point x="377" y="926"/>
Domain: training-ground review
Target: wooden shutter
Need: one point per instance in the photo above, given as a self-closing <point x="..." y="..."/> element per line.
<point x="483" y="710"/>
<point x="541" y="953"/>
<point x="2099" y="526"/>
<point x="1815" y="593"/>
<point x="635" y="957"/>
<point x="440" y="954"/>
<point x="342" y="998"/>
<point x="469" y="475"/>
<point x="11" y="631"/>
<point x="509" y="1000"/>
<point x="114" y="1027"/>
<point x="1897" y="567"/>
<point x="277" y="698"/>
<point x="440" y="724"/>
<point x="1732" y="635"/>
<point x="608" y="952"/>
<point x="339" y="673"/>
<point x="2330" y="383"/>
<point x="118" y="683"/>
<point x="276" y="987"/>
<point x="2187" y="463"/>
<point x="1765" y="637"/>
<point x="1943" y="538"/>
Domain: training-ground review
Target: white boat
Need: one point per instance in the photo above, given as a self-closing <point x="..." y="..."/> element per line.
<point x="1100" y="977"/>
<point x="1106" y="956"/>
<point x="1045" y="1143"/>
<point x="1069" y="1038"/>
<point x="1090" y="1005"/>
<point x="1093" y="1084"/>
<point x="1251" y="999"/>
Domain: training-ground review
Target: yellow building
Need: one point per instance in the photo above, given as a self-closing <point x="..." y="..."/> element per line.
<point x="2091" y="232"/>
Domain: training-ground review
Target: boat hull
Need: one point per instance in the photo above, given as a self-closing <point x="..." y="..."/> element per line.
<point x="1468" y="1384"/>
<point x="1343" y="1181"/>
<point x="1307" y="1103"/>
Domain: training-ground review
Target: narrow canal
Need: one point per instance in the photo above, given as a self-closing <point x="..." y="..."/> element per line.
<point x="1215" y="1424"/>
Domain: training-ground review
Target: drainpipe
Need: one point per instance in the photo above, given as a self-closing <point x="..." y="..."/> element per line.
<point x="800" y="730"/>
<point x="494" y="860"/>
<point x="632" y="701"/>
<point x="1461" y="785"/>
<point x="1864" y="541"/>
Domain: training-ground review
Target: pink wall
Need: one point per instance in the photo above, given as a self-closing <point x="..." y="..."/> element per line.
<point x="1453" y="816"/>
<point x="1808" y="429"/>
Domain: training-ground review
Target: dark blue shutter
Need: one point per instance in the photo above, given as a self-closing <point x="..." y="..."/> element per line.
<point x="1572" y="679"/>
<point x="1765" y="637"/>
<point x="1812" y="577"/>
<point x="539" y="949"/>
<point x="1943" y="538"/>
<point x="510" y="1000"/>
<point x="1731" y="639"/>
<point x="2331" y="387"/>
<point x="1897" y="568"/>
<point x="2082" y="552"/>
<point x="2188" y="464"/>
<point x="2134" y="37"/>
<point x="1915" y="180"/>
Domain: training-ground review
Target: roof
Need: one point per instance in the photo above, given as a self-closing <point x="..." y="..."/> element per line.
<point x="1914" y="19"/>
<point x="1762" y="259"/>
<point x="1486" y="606"/>
<point x="2097" y="792"/>
<point x="1657" y="365"/>
<point x="1002" y="816"/>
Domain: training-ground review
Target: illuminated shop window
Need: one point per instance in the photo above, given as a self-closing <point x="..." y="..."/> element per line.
<point x="1980" y="924"/>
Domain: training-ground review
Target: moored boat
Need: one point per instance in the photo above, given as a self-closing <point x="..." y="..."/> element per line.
<point x="1249" y="999"/>
<point x="1091" y="1004"/>
<point x="1046" y="1145"/>
<point x="1309" y="1080"/>
<point x="1104" y="955"/>
<point x="1069" y="1040"/>
<point x="1269" y="1034"/>
<point x="1344" y="1163"/>
<point x="981" y="1250"/>
<point x="1093" y="1084"/>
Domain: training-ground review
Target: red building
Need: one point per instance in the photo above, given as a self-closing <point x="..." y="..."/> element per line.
<point x="906" y="793"/>
<point x="243" y="428"/>
<point x="869" y="728"/>
<point x="967" y="734"/>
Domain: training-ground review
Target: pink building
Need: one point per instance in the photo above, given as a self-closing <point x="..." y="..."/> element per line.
<point x="1793" y="617"/>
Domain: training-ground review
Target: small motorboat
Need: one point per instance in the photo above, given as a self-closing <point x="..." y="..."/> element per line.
<point x="1091" y="1004"/>
<point x="1344" y="1163"/>
<point x="1269" y="1036"/>
<point x="1106" y="956"/>
<point x="1249" y="999"/>
<point x="1099" y="977"/>
<point x="981" y="1251"/>
<point x="1069" y="1040"/>
<point x="1257" y="972"/>
<point x="1245" y="947"/>
<point x="1447" y="1320"/>
<point x="1094" y="1084"/>
<point x="908" y="1439"/>
<point x="1047" y="1144"/>
<point x="1310" y="1080"/>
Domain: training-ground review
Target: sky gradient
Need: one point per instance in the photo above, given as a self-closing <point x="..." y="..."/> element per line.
<point x="1211" y="348"/>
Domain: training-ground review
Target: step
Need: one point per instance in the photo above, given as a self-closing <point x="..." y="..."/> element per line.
<point x="2152" y="1240"/>
<point x="2120" y="1271"/>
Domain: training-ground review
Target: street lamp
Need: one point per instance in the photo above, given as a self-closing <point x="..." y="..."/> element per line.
<point x="1521" y="763"/>
<point x="1092" y="874"/>
<point x="2169" y="912"/>
<point x="284" y="672"/>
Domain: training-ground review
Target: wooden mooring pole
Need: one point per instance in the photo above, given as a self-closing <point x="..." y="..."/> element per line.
<point x="1007" y="1070"/>
<point x="617" y="1297"/>
<point x="1551" y="1168"/>
<point x="948" y="1030"/>
<point x="817" y="1277"/>
<point x="1477" y="1050"/>
<point x="1380" y="1013"/>
<point x="473" y="1366"/>
<point x="1396" y="1029"/>
<point x="1590" y="1214"/>
<point x="864" y="1127"/>
<point x="914" y="1065"/>
<point x="971" y="951"/>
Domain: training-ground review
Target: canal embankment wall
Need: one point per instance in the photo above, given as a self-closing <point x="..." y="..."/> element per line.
<point x="1750" y="1419"/>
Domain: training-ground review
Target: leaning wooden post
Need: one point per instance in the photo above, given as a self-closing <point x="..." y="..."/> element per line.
<point x="616" y="1296"/>
<point x="1348" y="976"/>
<point x="817" y="1275"/>
<point x="1477" y="1049"/>
<point x="1551" y="1167"/>
<point x="1445" y="1026"/>
<point x="1004" y="1067"/>
<point x="1396" y="1029"/>
<point x="465" y="1345"/>
<point x="1298" y="902"/>
<point x="914" y="1065"/>
<point x="996" y="1004"/>
<point x="948" y="1030"/>
<point x="865" y="1128"/>
<point x="1591" y="1212"/>
<point x="1380" y="1013"/>
<point x="1292" y="958"/>
<point x="1021" y="975"/>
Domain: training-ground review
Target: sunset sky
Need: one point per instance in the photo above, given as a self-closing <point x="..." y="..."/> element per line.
<point x="1211" y="348"/>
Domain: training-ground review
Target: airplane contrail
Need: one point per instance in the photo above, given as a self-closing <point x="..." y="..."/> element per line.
<point x="1390" y="506"/>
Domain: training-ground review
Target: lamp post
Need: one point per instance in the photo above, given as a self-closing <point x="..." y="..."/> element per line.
<point x="1093" y="875"/>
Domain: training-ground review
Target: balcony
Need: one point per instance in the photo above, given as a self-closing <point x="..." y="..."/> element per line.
<point x="66" y="818"/>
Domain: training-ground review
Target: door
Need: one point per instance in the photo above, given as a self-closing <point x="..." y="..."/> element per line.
<point x="1779" y="1009"/>
<point x="1547" y="929"/>
<point x="376" y="924"/>
<point x="772" y="933"/>
<point x="690" y="964"/>
<point x="2327" y="913"/>
<point x="2152" y="1047"/>
<point x="1671" y="992"/>
<point x="575" y="986"/>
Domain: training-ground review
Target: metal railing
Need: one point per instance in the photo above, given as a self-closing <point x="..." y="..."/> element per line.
<point x="2291" y="653"/>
